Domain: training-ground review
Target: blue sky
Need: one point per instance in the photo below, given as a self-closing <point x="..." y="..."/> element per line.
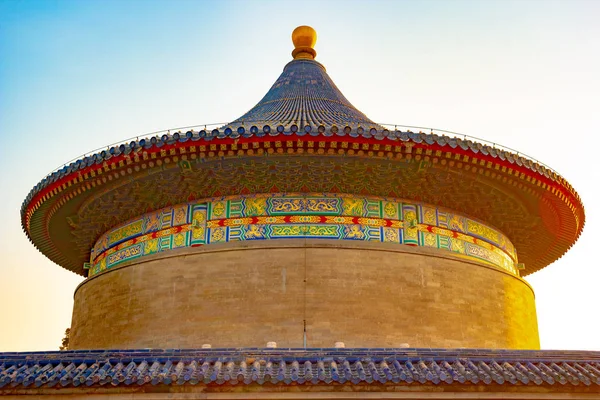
<point x="78" y="75"/>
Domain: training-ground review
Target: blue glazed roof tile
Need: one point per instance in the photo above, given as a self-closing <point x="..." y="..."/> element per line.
<point x="298" y="366"/>
<point x="305" y="95"/>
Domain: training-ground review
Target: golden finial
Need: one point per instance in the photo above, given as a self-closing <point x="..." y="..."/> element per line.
<point x="304" y="38"/>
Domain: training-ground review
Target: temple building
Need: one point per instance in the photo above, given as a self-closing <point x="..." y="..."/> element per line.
<point x="303" y="251"/>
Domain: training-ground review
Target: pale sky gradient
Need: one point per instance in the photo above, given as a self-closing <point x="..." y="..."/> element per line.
<point x="77" y="75"/>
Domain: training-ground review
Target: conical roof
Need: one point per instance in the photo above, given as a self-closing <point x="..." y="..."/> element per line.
<point x="304" y="94"/>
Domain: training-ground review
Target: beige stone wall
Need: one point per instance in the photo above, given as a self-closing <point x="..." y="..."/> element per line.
<point x="248" y="293"/>
<point x="304" y="392"/>
<point x="307" y="391"/>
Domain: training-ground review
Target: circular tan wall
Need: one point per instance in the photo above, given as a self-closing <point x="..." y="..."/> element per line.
<point x="248" y="293"/>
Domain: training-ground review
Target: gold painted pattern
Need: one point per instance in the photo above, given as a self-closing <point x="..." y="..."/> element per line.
<point x="342" y="217"/>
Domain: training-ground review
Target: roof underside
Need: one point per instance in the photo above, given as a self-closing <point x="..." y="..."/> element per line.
<point x="536" y="212"/>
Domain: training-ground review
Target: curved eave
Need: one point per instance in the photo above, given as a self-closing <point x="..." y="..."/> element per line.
<point x="518" y="173"/>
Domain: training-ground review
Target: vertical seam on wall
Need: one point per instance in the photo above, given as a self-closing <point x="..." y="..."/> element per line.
<point x="304" y="339"/>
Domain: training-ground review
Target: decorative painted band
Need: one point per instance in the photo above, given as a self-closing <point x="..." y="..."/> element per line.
<point x="294" y="215"/>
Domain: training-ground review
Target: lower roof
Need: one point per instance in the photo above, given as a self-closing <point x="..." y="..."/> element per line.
<point x="553" y="370"/>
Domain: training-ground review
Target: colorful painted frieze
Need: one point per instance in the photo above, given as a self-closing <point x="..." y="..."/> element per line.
<point x="286" y="216"/>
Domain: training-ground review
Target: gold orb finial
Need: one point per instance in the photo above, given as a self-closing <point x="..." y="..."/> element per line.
<point x="304" y="38"/>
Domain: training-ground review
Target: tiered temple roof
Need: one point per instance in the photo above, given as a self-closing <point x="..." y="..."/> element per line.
<point x="304" y="115"/>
